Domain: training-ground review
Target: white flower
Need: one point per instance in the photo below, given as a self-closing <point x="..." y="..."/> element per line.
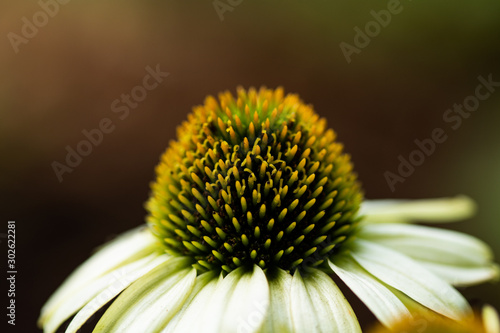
<point x="389" y="264"/>
<point x="254" y="209"/>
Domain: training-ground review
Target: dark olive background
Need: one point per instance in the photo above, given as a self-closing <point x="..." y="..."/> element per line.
<point x="393" y="92"/>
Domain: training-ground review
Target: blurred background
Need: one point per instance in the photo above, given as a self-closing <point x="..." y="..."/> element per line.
<point x="61" y="72"/>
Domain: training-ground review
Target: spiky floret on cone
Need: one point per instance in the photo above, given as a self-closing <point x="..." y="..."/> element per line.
<point x="255" y="178"/>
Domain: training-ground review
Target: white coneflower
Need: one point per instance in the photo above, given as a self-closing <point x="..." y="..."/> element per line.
<point x="254" y="209"/>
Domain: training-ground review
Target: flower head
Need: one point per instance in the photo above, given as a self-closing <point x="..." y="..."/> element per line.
<point x="254" y="209"/>
<point x="254" y="179"/>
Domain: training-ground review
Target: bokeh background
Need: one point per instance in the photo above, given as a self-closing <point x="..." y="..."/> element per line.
<point x="395" y="90"/>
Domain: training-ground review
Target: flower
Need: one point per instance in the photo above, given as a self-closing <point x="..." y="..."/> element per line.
<point x="254" y="209"/>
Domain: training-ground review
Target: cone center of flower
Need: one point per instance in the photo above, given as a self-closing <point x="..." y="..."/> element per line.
<point x="254" y="179"/>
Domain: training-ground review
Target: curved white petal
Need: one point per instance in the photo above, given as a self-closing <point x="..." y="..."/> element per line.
<point x="77" y="300"/>
<point x="122" y="282"/>
<point x="279" y="318"/>
<point x="128" y="247"/>
<point x="249" y="303"/>
<point x="428" y="210"/>
<point x="429" y="244"/>
<point x="238" y="304"/>
<point x="463" y="276"/>
<point x="422" y="315"/>
<point x="408" y="276"/>
<point x="380" y="300"/>
<point x="149" y="303"/>
<point x="318" y="305"/>
<point x="490" y="319"/>
<point x="188" y="317"/>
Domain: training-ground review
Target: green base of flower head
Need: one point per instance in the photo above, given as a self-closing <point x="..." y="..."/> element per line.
<point x="254" y="179"/>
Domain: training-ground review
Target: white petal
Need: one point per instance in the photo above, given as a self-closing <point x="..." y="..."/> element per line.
<point x="149" y="303"/>
<point x="429" y="244"/>
<point x="131" y="246"/>
<point x="428" y="210"/>
<point x="111" y="292"/>
<point x="463" y="276"/>
<point x="490" y="319"/>
<point x="380" y="300"/>
<point x="188" y="317"/>
<point x="239" y="303"/>
<point x="408" y="276"/>
<point x="77" y="300"/>
<point x="318" y="305"/>
<point x="421" y="314"/>
<point x="279" y="318"/>
<point x="249" y="303"/>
